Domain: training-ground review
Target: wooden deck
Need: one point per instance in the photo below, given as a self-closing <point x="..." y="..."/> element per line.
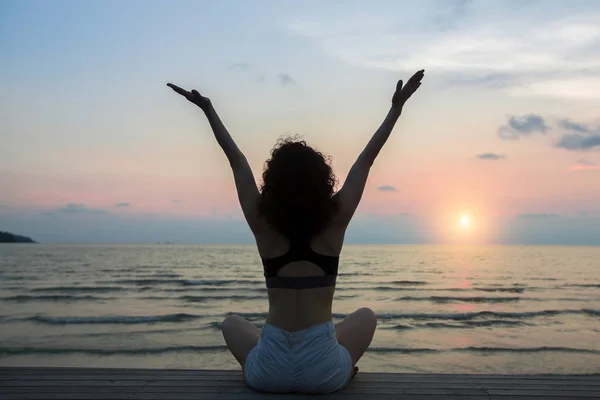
<point x="158" y="384"/>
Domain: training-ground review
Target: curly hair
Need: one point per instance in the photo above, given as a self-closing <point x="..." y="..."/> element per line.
<point x="297" y="192"/>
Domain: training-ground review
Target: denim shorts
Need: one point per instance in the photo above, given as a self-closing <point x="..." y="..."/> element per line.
<point x="306" y="361"/>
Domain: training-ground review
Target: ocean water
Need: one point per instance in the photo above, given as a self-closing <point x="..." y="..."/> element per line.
<point x="504" y="309"/>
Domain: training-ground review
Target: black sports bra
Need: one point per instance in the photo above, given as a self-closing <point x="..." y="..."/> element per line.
<point x="300" y="251"/>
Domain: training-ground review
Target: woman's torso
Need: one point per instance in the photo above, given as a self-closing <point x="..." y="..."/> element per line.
<point x="296" y="309"/>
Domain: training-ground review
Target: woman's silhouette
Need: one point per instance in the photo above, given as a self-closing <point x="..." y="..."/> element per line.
<point x="299" y="225"/>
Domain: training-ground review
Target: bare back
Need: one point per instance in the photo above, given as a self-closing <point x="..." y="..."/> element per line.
<point x="294" y="310"/>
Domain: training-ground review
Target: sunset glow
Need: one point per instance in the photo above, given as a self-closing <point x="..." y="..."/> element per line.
<point x="465" y="221"/>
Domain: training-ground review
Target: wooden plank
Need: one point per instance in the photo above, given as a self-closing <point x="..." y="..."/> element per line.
<point x="204" y="372"/>
<point x="113" y="371"/>
<point x="364" y="376"/>
<point x="153" y="384"/>
<point x="395" y="378"/>
<point x="60" y="382"/>
<point x="188" y="396"/>
<point x="233" y="376"/>
<point x="148" y="396"/>
<point x="352" y="396"/>
<point x="547" y="393"/>
<point x="241" y="390"/>
<point x="382" y="376"/>
<point x="337" y="396"/>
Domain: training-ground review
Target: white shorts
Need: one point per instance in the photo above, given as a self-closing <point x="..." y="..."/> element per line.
<point x="306" y="361"/>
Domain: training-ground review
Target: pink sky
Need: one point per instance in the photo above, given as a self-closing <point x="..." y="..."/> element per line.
<point x="504" y="126"/>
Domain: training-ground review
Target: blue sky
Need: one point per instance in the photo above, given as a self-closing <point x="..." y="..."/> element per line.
<point x="505" y="128"/>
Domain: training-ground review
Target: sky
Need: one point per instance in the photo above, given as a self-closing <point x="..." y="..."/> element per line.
<point x="503" y="135"/>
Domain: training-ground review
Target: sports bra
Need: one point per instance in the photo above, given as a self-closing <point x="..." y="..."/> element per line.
<point x="300" y="251"/>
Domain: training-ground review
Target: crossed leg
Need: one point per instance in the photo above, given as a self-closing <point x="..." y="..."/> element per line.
<point x="240" y="336"/>
<point x="356" y="332"/>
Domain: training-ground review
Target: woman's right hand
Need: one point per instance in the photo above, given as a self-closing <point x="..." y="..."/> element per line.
<point x="193" y="96"/>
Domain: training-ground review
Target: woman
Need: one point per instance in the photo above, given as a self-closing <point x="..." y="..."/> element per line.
<point x="299" y="225"/>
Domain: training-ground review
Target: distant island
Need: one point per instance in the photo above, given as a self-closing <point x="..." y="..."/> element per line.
<point x="7" y="237"/>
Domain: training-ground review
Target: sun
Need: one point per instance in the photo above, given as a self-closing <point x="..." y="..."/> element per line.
<point x="465" y="221"/>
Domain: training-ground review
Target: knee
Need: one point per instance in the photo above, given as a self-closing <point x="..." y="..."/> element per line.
<point x="229" y="322"/>
<point x="368" y="316"/>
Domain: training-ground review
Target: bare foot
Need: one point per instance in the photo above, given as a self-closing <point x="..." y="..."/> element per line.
<point x="354" y="372"/>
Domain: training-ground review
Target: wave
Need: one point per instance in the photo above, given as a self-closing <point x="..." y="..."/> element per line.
<point x="583" y="285"/>
<point x="54" y="297"/>
<point x="183" y="317"/>
<point x="461" y="325"/>
<point x="144" y="281"/>
<point x="407" y="287"/>
<point x="398" y="327"/>
<point x="449" y="299"/>
<point x="483" y="350"/>
<point x="482" y="314"/>
<point x="407" y="282"/>
<point x="172" y="279"/>
<point x="126" y="333"/>
<point x="501" y="289"/>
<point x="207" y="289"/>
<point x="407" y="350"/>
<point x="218" y="325"/>
<point x="16" y="278"/>
<point x="160" y="275"/>
<point x="472" y="324"/>
<point x="11" y="351"/>
<point x="201" y="299"/>
<point x="378" y="288"/>
<point x="217" y="282"/>
<point x="250" y="315"/>
<point x="96" y="289"/>
<point x="180" y="317"/>
<point x="527" y="350"/>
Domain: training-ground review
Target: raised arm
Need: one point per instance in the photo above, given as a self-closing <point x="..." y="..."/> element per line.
<point x="351" y="192"/>
<point x="245" y="184"/>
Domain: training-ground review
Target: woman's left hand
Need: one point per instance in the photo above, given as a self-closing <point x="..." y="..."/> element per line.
<point x="193" y="96"/>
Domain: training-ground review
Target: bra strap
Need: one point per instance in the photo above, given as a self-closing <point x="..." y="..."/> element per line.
<point x="301" y="282"/>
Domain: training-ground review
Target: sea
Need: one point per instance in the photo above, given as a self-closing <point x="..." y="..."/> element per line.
<point x="454" y="309"/>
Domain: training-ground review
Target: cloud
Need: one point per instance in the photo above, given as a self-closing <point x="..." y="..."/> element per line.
<point x="122" y="205"/>
<point x="525" y="125"/>
<point x="285" y="79"/>
<point x="578" y="142"/>
<point x="240" y="65"/>
<point x="578" y="136"/>
<point x="537" y="215"/>
<point x="584" y="165"/>
<point x="491" y="156"/>
<point x="259" y="76"/>
<point x="574" y="126"/>
<point x="557" y="56"/>
<point x="449" y="18"/>
<point x="387" y="188"/>
<point x="73" y="208"/>
<point x="177" y="201"/>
